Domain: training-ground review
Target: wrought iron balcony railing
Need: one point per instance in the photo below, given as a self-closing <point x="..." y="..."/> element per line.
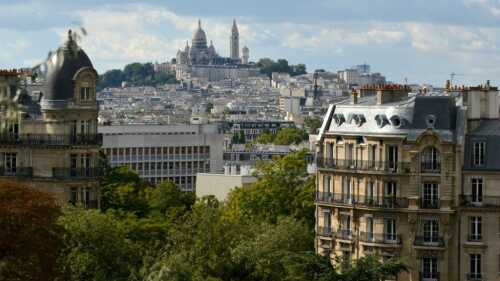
<point x="324" y="231"/>
<point x="426" y="203"/>
<point x="380" y="238"/>
<point x="90" y="204"/>
<point x="345" y="234"/>
<point x="430" y="167"/>
<point x="429" y="241"/>
<point x="363" y="165"/>
<point x="429" y="276"/>
<point x="477" y="237"/>
<point x="20" y="172"/>
<point x="50" y="139"/>
<point x="477" y="276"/>
<point x="362" y="200"/>
<point x="77" y="173"/>
<point x="479" y="201"/>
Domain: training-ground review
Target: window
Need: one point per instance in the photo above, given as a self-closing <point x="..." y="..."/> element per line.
<point x="372" y="150"/>
<point x="369" y="228"/>
<point x="477" y="190"/>
<point x="431" y="230"/>
<point x="390" y="229"/>
<point x="475" y="267"/>
<point x="392" y="157"/>
<point x="346" y="190"/>
<point x="430" y="196"/>
<point x="479" y="151"/>
<point x="430" y="160"/>
<point x="327" y="220"/>
<point x="475" y="229"/>
<point x="369" y="192"/>
<point x="390" y="194"/>
<point x="345" y="226"/>
<point x="85" y="93"/>
<point x="429" y="268"/>
<point x="73" y="195"/>
<point x="10" y="164"/>
<point x="326" y="184"/>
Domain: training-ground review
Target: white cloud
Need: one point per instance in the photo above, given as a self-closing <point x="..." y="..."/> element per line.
<point x="491" y="6"/>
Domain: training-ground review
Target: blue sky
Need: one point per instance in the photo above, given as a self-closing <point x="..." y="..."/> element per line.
<point x="421" y="40"/>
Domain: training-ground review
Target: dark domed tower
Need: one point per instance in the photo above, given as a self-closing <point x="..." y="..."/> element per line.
<point x="54" y="143"/>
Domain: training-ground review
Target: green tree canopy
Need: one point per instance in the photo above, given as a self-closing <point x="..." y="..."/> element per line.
<point x="268" y="66"/>
<point x="136" y="74"/>
<point x="312" y="124"/>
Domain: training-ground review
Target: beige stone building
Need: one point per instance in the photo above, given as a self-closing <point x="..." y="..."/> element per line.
<point x="48" y="126"/>
<point x="388" y="168"/>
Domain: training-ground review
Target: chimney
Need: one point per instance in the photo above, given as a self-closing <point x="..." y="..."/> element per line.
<point x="354" y="96"/>
<point x="391" y="93"/>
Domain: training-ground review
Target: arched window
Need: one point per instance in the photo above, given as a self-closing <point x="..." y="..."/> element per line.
<point x="431" y="161"/>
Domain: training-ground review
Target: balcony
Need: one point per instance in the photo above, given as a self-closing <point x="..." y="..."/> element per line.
<point x="382" y="202"/>
<point x="482" y="201"/>
<point x="363" y="165"/>
<point x="344" y="234"/>
<point x="50" y="139"/>
<point x="429" y="203"/>
<point x="429" y="241"/>
<point x="429" y="276"/>
<point x="475" y="276"/>
<point x="20" y="172"/>
<point x="474" y="237"/>
<point x="430" y="167"/>
<point x="77" y="173"/>
<point x="380" y="238"/>
<point x="361" y="200"/>
<point x="324" y="231"/>
<point x="91" y="204"/>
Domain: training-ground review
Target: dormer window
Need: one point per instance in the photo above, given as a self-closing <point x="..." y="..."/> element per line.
<point x="478" y="153"/>
<point x="85" y="93"/>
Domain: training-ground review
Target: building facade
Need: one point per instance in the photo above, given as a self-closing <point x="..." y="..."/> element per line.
<point x="48" y="126"/>
<point x="165" y="152"/>
<point x="388" y="167"/>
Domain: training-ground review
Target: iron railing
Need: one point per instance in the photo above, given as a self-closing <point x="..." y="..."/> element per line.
<point x="20" y="172"/>
<point x="364" y="165"/>
<point x="429" y="241"/>
<point x="324" y="231"/>
<point x="474" y="237"/>
<point x="480" y="201"/>
<point x="76" y="173"/>
<point x="430" y="167"/>
<point x="426" y="203"/>
<point x="477" y="276"/>
<point x="345" y="234"/>
<point x="429" y="276"/>
<point x="50" y="139"/>
<point x="380" y="238"/>
<point x="362" y="200"/>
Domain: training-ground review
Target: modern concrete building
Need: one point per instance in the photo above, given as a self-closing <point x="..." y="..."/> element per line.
<point x="48" y="126"/>
<point x="220" y="184"/>
<point x="165" y="152"/>
<point x="388" y="177"/>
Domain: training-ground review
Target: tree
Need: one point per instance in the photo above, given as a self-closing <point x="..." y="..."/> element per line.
<point x="168" y="198"/>
<point x="123" y="189"/>
<point x="287" y="136"/>
<point x="283" y="188"/>
<point x="268" y="66"/>
<point x="370" y="268"/>
<point x="312" y="124"/>
<point x="96" y="247"/>
<point x="265" y="138"/>
<point x="136" y="74"/>
<point x="29" y="235"/>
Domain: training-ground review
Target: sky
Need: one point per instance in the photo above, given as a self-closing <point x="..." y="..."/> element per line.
<point x="418" y="41"/>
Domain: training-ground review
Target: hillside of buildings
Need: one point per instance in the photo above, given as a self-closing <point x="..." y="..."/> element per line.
<point x="134" y="74"/>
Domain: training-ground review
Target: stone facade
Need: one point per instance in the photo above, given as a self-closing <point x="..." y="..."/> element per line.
<point x="48" y="127"/>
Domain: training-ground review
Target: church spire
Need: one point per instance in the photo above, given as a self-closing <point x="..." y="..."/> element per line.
<point x="199" y="24"/>
<point x="234" y="42"/>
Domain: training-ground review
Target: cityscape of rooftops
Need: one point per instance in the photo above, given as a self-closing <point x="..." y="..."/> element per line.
<point x="238" y="141"/>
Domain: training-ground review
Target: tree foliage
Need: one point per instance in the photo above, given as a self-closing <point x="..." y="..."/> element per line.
<point x="29" y="236"/>
<point x="268" y="66"/>
<point x="135" y="74"/>
<point x="312" y="124"/>
<point x="285" y="136"/>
